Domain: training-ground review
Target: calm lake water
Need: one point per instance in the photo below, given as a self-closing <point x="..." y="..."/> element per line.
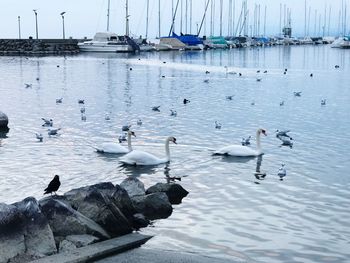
<point x="228" y="213"/>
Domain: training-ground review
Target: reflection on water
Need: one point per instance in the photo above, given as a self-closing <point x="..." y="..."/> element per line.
<point x="303" y="219"/>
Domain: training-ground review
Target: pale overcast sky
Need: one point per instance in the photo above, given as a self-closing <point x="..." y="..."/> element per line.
<point x="85" y="17"/>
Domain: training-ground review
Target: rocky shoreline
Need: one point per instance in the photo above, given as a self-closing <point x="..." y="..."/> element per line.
<point x="32" y="229"/>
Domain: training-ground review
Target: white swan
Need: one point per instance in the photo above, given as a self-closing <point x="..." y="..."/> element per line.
<point x="145" y="158"/>
<point x="243" y="151"/>
<point x="112" y="147"/>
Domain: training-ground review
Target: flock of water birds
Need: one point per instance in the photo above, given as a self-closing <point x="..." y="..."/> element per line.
<point x="142" y="158"/>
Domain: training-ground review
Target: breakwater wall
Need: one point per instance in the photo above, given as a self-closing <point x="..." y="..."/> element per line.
<point x="38" y="46"/>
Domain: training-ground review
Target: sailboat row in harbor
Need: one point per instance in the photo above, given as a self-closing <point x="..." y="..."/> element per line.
<point x="111" y="42"/>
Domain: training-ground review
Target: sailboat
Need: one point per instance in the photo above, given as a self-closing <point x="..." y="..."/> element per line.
<point x="109" y="41"/>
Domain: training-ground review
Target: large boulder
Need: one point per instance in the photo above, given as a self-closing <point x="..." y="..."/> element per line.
<point x="117" y="195"/>
<point x="133" y="186"/>
<point x="175" y="192"/>
<point x="153" y="206"/>
<point x="39" y="240"/>
<point x="12" y="231"/>
<point x="65" y="221"/>
<point x="82" y="240"/>
<point x="100" y="207"/>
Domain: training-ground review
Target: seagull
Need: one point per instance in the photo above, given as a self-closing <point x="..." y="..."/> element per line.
<point x="47" y="122"/>
<point x="156" y="108"/>
<point x="282" y="133"/>
<point x="336" y="66"/>
<point x="59" y="100"/>
<point x="81" y="101"/>
<point x="252" y="103"/>
<point x="217" y="125"/>
<point x="53" y="185"/>
<point x="39" y="136"/>
<point x="285" y="72"/>
<point x="27" y="85"/>
<point x="207" y="72"/>
<point x="107" y="117"/>
<point x="282" y="103"/>
<point x="246" y="142"/>
<point x="323" y="102"/>
<point x="297" y="93"/>
<point x="82" y="110"/>
<point x="186" y="101"/>
<point x="282" y="172"/>
<point x="311" y="75"/>
<point x="258" y="79"/>
<point x="130" y="68"/>
<point x="240" y="74"/>
<point x="126" y="127"/>
<point x="230" y="97"/>
<point x="83" y="117"/>
<point x="286" y="141"/>
<point x="206" y="81"/>
<point x="173" y="113"/>
<point x="122" y="138"/>
<point x="53" y="131"/>
<point x="265" y="71"/>
<point x="258" y="71"/>
<point x="139" y="122"/>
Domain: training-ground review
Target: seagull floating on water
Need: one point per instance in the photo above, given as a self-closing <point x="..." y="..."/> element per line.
<point x="297" y="93"/>
<point x="81" y="101"/>
<point x="323" y="102"/>
<point x="230" y="97"/>
<point x="156" y="108"/>
<point x="265" y="71"/>
<point x="126" y="127"/>
<point x="246" y="142"/>
<point x="282" y="133"/>
<point x="336" y="66"/>
<point x="173" y="113"/>
<point x="282" y="172"/>
<point x="286" y="141"/>
<point x="139" y="122"/>
<point x="206" y="81"/>
<point x="207" y="72"/>
<point x="107" y="117"/>
<point x="185" y="101"/>
<point x="39" y="136"/>
<point x="27" y="85"/>
<point x="282" y="103"/>
<point x="59" y="100"/>
<point x="258" y="79"/>
<point x="82" y="110"/>
<point x="47" y="122"/>
<point x="311" y="75"/>
<point x="51" y="132"/>
<point x="217" y="125"/>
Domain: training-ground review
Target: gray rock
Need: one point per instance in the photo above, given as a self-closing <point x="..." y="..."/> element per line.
<point x="140" y="221"/>
<point x="12" y="230"/>
<point x="82" y="240"/>
<point x="133" y="186"/>
<point x="175" y="192"/>
<point x="100" y="207"/>
<point x="153" y="206"/>
<point x="65" y="221"/>
<point x="118" y="196"/>
<point x="39" y="238"/>
<point x="66" y="245"/>
<point x="3" y="121"/>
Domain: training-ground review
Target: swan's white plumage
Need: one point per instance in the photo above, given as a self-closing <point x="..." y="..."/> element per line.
<point x="115" y="148"/>
<point x="142" y="158"/>
<point x="238" y="150"/>
<point x="145" y="158"/>
<point x="242" y="151"/>
<point x="111" y="147"/>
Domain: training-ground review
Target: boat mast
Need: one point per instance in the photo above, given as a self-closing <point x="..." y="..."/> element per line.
<point x="280" y="29"/>
<point x="147" y="19"/>
<point x="233" y="17"/>
<point x="229" y="31"/>
<point x="181" y="15"/>
<point x="186" y="16"/>
<point x="205" y="11"/>
<point x="329" y="19"/>
<point x="305" y="20"/>
<point x="190" y="16"/>
<point x="158" y="18"/>
<point x="109" y="3"/>
<point x="308" y="22"/>
<point x="315" y="22"/>
<point x="174" y="15"/>
<point x="126" y="18"/>
<point x="265" y="21"/>
<point x="324" y="21"/>
<point x="221" y="18"/>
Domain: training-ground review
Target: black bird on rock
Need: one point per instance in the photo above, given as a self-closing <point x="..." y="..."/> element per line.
<point x="53" y="185"/>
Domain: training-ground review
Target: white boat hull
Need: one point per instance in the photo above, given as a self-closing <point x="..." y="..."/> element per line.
<point x="104" y="48"/>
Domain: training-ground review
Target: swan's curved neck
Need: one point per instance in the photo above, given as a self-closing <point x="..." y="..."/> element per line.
<point x="258" y="140"/>
<point x="167" y="151"/>
<point x="129" y="142"/>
